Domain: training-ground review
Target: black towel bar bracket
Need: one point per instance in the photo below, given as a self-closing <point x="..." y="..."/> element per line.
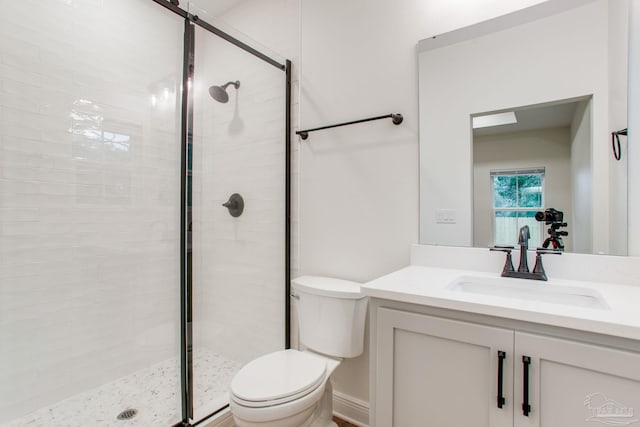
<point x="395" y="117"/>
<point x="615" y="142"/>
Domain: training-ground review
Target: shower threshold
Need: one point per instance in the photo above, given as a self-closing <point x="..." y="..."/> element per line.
<point x="152" y="392"/>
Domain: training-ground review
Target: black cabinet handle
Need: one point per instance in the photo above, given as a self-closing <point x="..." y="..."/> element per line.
<point x="501" y="356"/>
<point x="526" y="408"/>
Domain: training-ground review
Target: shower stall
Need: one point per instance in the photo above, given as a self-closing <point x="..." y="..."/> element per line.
<point x="132" y="284"/>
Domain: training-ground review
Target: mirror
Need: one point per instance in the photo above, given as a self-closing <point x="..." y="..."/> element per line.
<point x="559" y="69"/>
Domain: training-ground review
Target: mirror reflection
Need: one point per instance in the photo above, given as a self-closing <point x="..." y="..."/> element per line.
<point x="530" y="167"/>
<point x="516" y="116"/>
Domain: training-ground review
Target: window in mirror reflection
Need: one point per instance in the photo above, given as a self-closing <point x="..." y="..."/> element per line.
<point x="517" y="196"/>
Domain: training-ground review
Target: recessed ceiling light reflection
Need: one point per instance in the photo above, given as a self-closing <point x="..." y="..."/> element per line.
<point x="498" y="119"/>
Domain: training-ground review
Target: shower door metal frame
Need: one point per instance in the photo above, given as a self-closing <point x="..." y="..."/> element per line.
<point x="186" y="139"/>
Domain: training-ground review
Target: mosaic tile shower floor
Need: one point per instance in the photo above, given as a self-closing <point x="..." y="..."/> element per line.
<point x="153" y="391"/>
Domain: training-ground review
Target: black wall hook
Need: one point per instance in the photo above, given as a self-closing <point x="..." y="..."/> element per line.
<point x="615" y="142"/>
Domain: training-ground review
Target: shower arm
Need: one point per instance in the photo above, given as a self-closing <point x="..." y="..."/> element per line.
<point x="396" y="118"/>
<point x="235" y="84"/>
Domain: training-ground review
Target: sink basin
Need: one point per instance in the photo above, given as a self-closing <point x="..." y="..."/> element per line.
<point x="521" y="289"/>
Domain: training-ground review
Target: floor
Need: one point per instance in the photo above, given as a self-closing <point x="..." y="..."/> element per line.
<point x="158" y="384"/>
<point x="342" y="423"/>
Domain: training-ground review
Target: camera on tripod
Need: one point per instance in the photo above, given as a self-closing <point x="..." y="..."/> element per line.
<point x="554" y="218"/>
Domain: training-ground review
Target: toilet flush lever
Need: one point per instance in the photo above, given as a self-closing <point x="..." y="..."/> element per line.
<point x="295" y="296"/>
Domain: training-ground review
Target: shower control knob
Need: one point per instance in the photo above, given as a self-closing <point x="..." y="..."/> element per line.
<point x="235" y="204"/>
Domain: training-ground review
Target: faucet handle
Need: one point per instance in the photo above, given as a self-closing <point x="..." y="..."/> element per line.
<point x="538" y="269"/>
<point x="508" y="263"/>
<point x="501" y="248"/>
<point x="545" y="251"/>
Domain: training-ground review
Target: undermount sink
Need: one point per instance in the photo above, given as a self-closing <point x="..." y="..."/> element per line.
<point x="521" y="289"/>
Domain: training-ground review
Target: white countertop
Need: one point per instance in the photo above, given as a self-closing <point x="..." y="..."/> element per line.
<point x="429" y="286"/>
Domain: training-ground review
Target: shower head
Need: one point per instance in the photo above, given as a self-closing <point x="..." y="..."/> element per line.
<point x="219" y="93"/>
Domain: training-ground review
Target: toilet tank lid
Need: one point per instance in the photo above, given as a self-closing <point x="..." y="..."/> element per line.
<point x="327" y="286"/>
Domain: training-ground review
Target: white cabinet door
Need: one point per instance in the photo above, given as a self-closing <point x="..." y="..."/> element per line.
<point x="434" y="372"/>
<point x="573" y="384"/>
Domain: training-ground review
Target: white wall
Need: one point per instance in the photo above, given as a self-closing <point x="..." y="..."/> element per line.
<point x="503" y="70"/>
<point x="548" y="148"/>
<point x="581" y="179"/>
<point x="359" y="184"/>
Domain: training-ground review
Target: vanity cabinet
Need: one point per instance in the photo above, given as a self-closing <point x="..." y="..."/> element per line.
<point x="439" y="372"/>
<point x="433" y="371"/>
<point x="573" y="384"/>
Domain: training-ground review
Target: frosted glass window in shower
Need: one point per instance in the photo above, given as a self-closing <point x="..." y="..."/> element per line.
<point x="89" y="212"/>
<point x="239" y="264"/>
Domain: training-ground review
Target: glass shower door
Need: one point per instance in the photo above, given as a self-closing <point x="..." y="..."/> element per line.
<point x="89" y="212"/>
<point x="238" y="258"/>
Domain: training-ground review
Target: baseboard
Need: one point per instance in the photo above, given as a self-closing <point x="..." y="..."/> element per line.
<point x="223" y="419"/>
<point x="351" y="409"/>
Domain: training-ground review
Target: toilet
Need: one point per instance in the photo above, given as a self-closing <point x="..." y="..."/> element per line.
<point x="291" y="388"/>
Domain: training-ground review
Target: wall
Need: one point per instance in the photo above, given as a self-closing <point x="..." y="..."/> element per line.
<point x="548" y="148"/>
<point x="89" y="196"/>
<point x="581" y="179"/>
<point x="359" y="184"/>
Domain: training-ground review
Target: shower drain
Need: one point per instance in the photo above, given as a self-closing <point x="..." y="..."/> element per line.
<point x="127" y="414"/>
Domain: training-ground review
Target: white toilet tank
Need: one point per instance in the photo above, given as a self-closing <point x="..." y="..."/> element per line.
<point x="331" y="315"/>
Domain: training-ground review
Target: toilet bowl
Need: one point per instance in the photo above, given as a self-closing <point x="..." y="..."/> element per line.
<point x="291" y="388"/>
<point x="287" y="388"/>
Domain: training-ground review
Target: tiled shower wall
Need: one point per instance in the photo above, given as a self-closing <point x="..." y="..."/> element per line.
<point x="275" y="24"/>
<point x="238" y="148"/>
<point x="89" y="190"/>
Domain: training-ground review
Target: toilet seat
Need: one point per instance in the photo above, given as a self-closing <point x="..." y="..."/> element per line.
<point x="277" y="378"/>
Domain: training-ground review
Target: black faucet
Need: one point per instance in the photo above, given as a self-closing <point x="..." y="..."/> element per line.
<point x="523" y="241"/>
<point x="523" y="272"/>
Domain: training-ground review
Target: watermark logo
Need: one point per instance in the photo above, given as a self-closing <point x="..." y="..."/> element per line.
<point x="608" y="411"/>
